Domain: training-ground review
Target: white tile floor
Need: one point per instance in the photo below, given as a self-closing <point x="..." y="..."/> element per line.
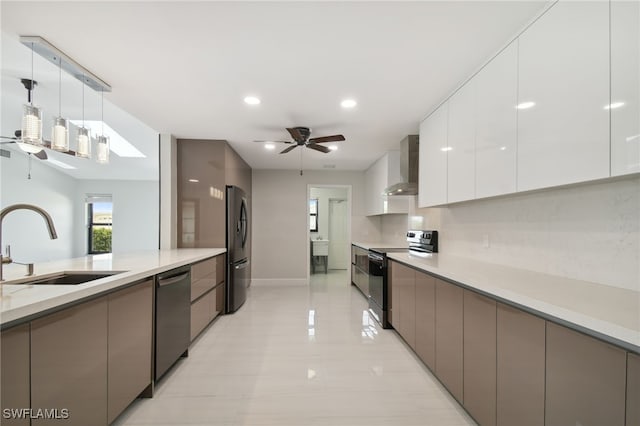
<point x="298" y="355"/>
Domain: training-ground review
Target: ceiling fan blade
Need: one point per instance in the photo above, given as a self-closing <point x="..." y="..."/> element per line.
<point x="323" y="139"/>
<point x="295" y="134"/>
<point x="274" y="142"/>
<point x="288" y="149"/>
<point x="41" y="155"/>
<point x="318" y="147"/>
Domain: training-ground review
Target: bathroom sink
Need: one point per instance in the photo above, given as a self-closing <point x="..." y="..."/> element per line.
<point x="71" y="278"/>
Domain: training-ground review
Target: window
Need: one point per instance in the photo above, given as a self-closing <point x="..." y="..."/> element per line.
<point x="313" y="215"/>
<point x="100" y="224"/>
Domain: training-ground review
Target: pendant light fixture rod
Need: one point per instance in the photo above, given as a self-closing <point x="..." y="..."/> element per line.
<point x="52" y="54"/>
<point x="60" y="88"/>
<point x="29" y="91"/>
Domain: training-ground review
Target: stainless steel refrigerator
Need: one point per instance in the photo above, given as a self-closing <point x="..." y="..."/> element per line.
<point x="237" y="278"/>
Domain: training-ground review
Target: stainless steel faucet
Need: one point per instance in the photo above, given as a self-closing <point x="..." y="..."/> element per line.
<point x="52" y="229"/>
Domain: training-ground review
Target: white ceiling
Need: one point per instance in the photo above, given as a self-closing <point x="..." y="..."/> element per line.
<point x="184" y="67"/>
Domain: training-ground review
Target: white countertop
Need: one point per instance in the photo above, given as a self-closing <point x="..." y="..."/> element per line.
<point x="607" y="312"/>
<point x="21" y="301"/>
<point x="379" y="244"/>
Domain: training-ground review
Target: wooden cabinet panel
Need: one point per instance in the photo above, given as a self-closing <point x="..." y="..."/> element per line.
<point x="130" y="345"/>
<point x="520" y="368"/>
<point x="203" y="269"/>
<point x="633" y="389"/>
<point x="403" y="302"/>
<point x="480" y="357"/>
<point x="426" y="319"/>
<point x="16" y="386"/>
<point x="585" y="380"/>
<point x="564" y="70"/>
<point x="432" y="180"/>
<point x="220" y="268"/>
<point x="69" y="364"/>
<point x="496" y="131"/>
<point x="203" y="311"/>
<point x="625" y="87"/>
<point x="449" y="342"/>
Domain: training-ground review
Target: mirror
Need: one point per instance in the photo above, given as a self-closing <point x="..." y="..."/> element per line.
<point x="62" y="184"/>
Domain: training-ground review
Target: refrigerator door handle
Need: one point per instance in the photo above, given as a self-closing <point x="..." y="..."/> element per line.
<point x="241" y="265"/>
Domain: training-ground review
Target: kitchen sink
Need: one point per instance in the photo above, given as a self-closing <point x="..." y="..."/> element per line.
<point x="71" y="278"/>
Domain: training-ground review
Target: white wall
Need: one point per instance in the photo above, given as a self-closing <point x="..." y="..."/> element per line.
<point x="49" y="189"/>
<point x="323" y="195"/>
<point x="135" y="214"/>
<point x="279" y="221"/>
<point x="589" y="232"/>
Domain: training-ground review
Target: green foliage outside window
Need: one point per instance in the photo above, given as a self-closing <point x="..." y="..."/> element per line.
<point x="101" y="239"/>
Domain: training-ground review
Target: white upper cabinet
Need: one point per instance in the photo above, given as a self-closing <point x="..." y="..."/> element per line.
<point x="462" y="144"/>
<point x="382" y="174"/>
<point x="563" y="126"/>
<point x="625" y="87"/>
<point x="434" y="147"/>
<point x="496" y="120"/>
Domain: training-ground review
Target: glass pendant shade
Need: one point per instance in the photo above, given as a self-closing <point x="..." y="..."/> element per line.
<point x="84" y="143"/>
<point x="102" y="149"/>
<point x="31" y="126"/>
<point x="60" y="135"/>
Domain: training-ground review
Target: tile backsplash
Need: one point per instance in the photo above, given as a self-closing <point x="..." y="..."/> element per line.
<point x="589" y="232"/>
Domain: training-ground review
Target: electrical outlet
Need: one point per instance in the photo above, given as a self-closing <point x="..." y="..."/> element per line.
<point x="485" y="240"/>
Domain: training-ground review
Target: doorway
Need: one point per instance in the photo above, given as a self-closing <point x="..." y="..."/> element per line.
<point x="329" y="227"/>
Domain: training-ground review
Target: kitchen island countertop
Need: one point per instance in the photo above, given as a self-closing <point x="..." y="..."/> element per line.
<point x="20" y="302"/>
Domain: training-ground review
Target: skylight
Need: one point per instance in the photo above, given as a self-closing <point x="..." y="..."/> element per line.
<point x="118" y="145"/>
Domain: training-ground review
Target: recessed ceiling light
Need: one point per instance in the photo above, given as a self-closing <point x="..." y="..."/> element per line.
<point x="333" y="147"/>
<point x="194" y="180"/>
<point x="614" y="105"/>
<point x="525" y="105"/>
<point x="269" y="146"/>
<point x="503" y="148"/>
<point x="446" y="148"/>
<point x="251" y="100"/>
<point x="348" y="103"/>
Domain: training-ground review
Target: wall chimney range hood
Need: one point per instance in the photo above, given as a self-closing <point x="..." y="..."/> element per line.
<point x="409" y="153"/>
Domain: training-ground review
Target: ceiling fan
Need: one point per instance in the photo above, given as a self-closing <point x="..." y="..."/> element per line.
<point x="41" y="154"/>
<point x="301" y="137"/>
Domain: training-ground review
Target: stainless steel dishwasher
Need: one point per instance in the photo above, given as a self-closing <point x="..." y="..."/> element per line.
<point x="173" y="317"/>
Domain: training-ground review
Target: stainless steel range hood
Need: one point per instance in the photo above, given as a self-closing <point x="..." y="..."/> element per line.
<point x="409" y="154"/>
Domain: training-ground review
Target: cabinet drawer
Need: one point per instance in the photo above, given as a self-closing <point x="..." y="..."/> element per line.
<point x="203" y="269"/>
<point x="200" y="287"/>
<point x="202" y="312"/>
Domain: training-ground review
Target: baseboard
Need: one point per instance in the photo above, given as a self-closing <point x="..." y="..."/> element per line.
<point x="279" y="281"/>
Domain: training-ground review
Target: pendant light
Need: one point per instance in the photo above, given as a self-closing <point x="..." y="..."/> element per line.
<point x="60" y="131"/>
<point x="84" y="135"/>
<point x="31" y="136"/>
<point x="102" y="148"/>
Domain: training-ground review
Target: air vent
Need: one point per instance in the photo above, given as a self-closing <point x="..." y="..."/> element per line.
<point x="329" y="166"/>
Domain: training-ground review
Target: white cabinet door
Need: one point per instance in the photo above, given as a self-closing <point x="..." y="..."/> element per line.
<point x="625" y="87"/>
<point x="461" y="157"/>
<point x="374" y="182"/>
<point x="383" y="173"/>
<point x="432" y="178"/>
<point x="564" y="69"/>
<point x="496" y="120"/>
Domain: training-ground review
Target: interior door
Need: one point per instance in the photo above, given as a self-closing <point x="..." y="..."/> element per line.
<point x="338" y="244"/>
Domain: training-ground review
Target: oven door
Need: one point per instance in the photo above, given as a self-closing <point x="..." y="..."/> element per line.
<point x="377" y="290"/>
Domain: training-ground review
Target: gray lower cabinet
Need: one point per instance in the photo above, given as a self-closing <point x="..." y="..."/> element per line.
<point x="633" y="389"/>
<point x="15" y="374"/>
<point x="449" y="341"/>
<point x="520" y="352"/>
<point x="69" y="364"/>
<point x="403" y="304"/>
<point x="130" y="339"/>
<point x="480" y="358"/>
<point x="585" y="380"/>
<point x="207" y="286"/>
<point x="426" y="319"/>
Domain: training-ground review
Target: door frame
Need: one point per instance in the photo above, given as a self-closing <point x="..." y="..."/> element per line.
<point x="349" y="215"/>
